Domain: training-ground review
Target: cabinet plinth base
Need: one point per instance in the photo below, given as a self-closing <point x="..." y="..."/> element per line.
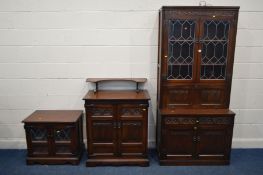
<point x="117" y="162"/>
<point x="53" y="160"/>
<point x="169" y="162"/>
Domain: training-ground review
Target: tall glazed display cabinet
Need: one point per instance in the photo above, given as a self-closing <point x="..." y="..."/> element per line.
<point x="195" y="65"/>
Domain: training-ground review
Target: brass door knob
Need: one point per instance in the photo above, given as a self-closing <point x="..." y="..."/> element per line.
<point x="199" y="50"/>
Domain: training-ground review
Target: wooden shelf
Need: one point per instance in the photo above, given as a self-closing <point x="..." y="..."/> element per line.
<point x="136" y="80"/>
<point x="98" y="80"/>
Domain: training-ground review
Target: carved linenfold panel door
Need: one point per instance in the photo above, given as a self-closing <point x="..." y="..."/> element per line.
<point x="214" y="137"/>
<point x="178" y="97"/>
<point x="213" y="142"/>
<point x="132" y="130"/>
<point x="102" y="123"/>
<point x="211" y="96"/>
<point x="178" y="137"/>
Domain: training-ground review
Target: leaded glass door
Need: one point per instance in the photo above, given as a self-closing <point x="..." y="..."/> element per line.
<point x="63" y="138"/>
<point x="181" y="45"/>
<point x="214" y="48"/>
<point x="38" y="139"/>
<point x="213" y="59"/>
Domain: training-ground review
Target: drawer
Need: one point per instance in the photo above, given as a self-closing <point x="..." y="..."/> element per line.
<point x="216" y="120"/>
<point x="100" y="110"/>
<point x="198" y="120"/>
<point x="132" y="110"/>
<point x="180" y="121"/>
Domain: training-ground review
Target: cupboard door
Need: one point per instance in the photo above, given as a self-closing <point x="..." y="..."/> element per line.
<point x="214" y="142"/>
<point x="132" y="127"/>
<point x="179" y="47"/>
<point x="38" y="140"/>
<point x="178" y="97"/>
<point x="216" y="48"/>
<point x="211" y="96"/>
<point x="102" y="135"/>
<point x="214" y="137"/>
<point x="65" y="140"/>
<point x="178" y="138"/>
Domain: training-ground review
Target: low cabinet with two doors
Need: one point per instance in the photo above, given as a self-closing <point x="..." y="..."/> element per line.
<point x="117" y="127"/>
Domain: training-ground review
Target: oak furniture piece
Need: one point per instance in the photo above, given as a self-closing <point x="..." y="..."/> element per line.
<point x="117" y="125"/>
<point x="195" y="65"/>
<point x="54" y="136"/>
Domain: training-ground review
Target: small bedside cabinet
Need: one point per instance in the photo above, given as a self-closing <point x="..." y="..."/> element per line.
<point x="54" y="136"/>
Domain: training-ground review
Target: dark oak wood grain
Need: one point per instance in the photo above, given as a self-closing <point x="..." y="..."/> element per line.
<point x="54" y="136"/>
<point x="117" y="127"/>
<point x="194" y="123"/>
<point x="53" y="116"/>
<point x="117" y="95"/>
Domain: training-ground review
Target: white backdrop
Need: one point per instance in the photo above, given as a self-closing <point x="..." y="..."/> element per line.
<point x="49" y="47"/>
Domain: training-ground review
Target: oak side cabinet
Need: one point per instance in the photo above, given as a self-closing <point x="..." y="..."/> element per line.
<point x="117" y="127"/>
<point x="54" y="136"/>
<point x="195" y="66"/>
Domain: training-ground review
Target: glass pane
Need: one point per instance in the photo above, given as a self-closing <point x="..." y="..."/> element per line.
<point x="38" y="134"/>
<point x="62" y="134"/>
<point x="214" y="50"/>
<point x="180" y="49"/>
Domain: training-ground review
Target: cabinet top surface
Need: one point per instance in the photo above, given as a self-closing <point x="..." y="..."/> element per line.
<point x="117" y="95"/>
<point x="53" y="116"/>
<point x="193" y="112"/>
<point x="201" y="7"/>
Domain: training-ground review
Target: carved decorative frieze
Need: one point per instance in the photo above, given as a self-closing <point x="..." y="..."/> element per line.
<point x="215" y="120"/>
<point x="101" y="112"/>
<point x="197" y="13"/>
<point x="131" y="111"/>
<point x="179" y="120"/>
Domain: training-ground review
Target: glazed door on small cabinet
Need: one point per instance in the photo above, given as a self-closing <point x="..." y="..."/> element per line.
<point x="102" y="126"/>
<point x="38" y="139"/>
<point x="64" y="140"/>
<point x="131" y="133"/>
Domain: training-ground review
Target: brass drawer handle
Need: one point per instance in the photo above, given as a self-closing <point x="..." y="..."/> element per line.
<point x="195" y="128"/>
<point x="197" y="121"/>
<point x="144" y="109"/>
